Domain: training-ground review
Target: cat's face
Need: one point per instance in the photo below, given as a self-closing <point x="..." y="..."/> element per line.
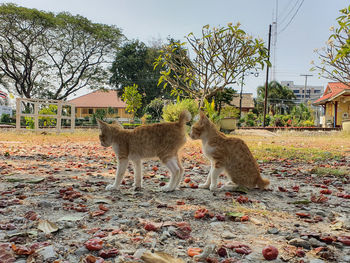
<point x="105" y="138"/>
<point x="198" y="129"/>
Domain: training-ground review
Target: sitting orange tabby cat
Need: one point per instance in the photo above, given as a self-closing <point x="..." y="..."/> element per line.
<point x="226" y="154"/>
<point x="162" y="140"/>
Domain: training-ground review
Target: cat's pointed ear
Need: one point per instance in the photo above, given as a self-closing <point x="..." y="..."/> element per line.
<point x="117" y="124"/>
<point x="101" y="124"/>
<point x="203" y="116"/>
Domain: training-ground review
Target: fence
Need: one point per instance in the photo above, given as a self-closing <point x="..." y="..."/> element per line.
<point x="45" y="115"/>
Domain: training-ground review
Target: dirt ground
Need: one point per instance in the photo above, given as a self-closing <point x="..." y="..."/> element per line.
<point x="54" y="206"/>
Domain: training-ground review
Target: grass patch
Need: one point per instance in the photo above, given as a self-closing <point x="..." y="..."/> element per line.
<point x="330" y="171"/>
<point x="271" y="152"/>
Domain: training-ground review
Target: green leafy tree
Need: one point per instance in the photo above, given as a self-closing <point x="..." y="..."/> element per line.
<point x="224" y="97"/>
<point x="302" y="115"/>
<point x="220" y="56"/>
<point x="280" y="98"/>
<point x="133" y="63"/>
<point x="132" y="98"/>
<point x="43" y="55"/>
<point x="334" y="59"/>
<point x="171" y="112"/>
<point x="155" y="108"/>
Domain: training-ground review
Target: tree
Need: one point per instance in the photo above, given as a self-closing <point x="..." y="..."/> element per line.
<point x="132" y="98"/>
<point x="221" y="55"/>
<point x="43" y="55"/>
<point x="133" y="64"/>
<point x="279" y="97"/>
<point x="155" y="108"/>
<point x="335" y="57"/>
<point x="302" y="115"/>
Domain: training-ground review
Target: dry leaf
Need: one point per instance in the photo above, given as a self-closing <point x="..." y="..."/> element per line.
<point x="47" y="227"/>
<point x="160" y="257"/>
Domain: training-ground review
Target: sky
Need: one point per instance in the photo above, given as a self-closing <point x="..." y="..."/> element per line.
<point x="302" y="26"/>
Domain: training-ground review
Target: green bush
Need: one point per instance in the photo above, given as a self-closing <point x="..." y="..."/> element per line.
<point x="229" y="112"/>
<point x="209" y="108"/>
<point x="155" y="108"/>
<point x="99" y="114"/>
<point x="171" y="112"/>
<point x="5" y="118"/>
<point x="308" y="123"/>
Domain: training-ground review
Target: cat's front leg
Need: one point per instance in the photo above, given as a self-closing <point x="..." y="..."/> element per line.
<point x="137" y="175"/>
<point x="175" y="170"/>
<point x="214" y="178"/>
<point x="122" y="165"/>
<point x="207" y="182"/>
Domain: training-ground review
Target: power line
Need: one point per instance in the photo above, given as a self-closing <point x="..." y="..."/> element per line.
<point x="290" y="11"/>
<point x="290" y="21"/>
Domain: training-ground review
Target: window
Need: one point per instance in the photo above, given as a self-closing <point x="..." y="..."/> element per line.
<point x="317" y="91"/>
<point x="296" y="91"/>
<point x="84" y="111"/>
<point x="91" y="111"/>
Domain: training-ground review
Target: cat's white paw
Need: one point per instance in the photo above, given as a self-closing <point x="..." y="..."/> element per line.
<point x="167" y="189"/>
<point x="228" y="187"/>
<point x="112" y="187"/>
<point x="213" y="188"/>
<point x="203" y="186"/>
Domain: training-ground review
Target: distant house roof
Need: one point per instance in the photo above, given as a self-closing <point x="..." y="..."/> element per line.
<point x="247" y="101"/>
<point x="333" y="90"/>
<point x="99" y="99"/>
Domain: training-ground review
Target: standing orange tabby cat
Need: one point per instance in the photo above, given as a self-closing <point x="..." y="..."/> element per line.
<point x="162" y="140"/>
<point x="226" y="154"/>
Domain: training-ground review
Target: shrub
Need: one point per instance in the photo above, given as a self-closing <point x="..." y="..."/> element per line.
<point x="99" y="114"/>
<point x="209" y="108"/>
<point x="155" y="108"/>
<point x="229" y="112"/>
<point x="5" y="118"/>
<point x="308" y="123"/>
<point x="171" y="112"/>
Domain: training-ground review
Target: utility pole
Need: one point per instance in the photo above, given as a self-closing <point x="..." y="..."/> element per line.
<point x="267" y="77"/>
<point x="240" y="97"/>
<point x="305" y="75"/>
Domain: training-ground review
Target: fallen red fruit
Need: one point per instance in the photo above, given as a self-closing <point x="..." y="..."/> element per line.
<point x="242" y="199"/>
<point x="94" y="244"/>
<point x="244" y="218"/>
<point x="194" y="251"/>
<point x="300" y="253"/>
<point x="150" y="227"/>
<point x="193" y="185"/>
<point x="282" y="189"/>
<point x="92" y="259"/>
<point x="243" y="249"/>
<point x="345" y="240"/>
<point x="303" y="215"/>
<point x="109" y="253"/>
<point x="326" y="191"/>
<point x="296" y="188"/>
<point x="187" y="180"/>
<point x="328" y="239"/>
<point x="22" y="250"/>
<point x="155" y="168"/>
<point x="270" y="252"/>
<point x="200" y="213"/>
<point x="222" y="252"/>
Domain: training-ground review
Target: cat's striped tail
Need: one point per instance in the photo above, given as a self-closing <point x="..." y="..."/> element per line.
<point x="263" y="183"/>
<point x="185" y="116"/>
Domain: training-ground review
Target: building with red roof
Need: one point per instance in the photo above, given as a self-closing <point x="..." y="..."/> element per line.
<point x="336" y="103"/>
<point x="109" y="101"/>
